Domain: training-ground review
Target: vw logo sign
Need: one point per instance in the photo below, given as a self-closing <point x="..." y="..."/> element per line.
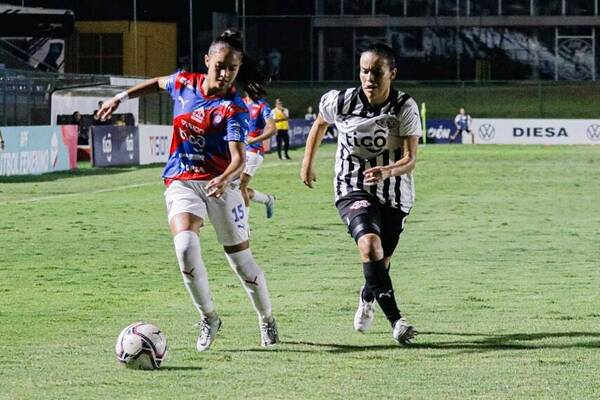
<point x="593" y="132"/>
<point x="486" y="132"/>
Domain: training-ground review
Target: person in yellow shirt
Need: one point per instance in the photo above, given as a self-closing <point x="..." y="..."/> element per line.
<point x="281" y="116"/>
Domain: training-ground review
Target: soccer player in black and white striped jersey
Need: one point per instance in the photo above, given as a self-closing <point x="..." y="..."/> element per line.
<point x="378" y="132"/>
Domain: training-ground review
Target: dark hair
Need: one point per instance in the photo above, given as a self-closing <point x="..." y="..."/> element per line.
<point x="248" y="76"/>
<point x="382" y="50"/>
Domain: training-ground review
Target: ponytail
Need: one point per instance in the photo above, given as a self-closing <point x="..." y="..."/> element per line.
<point x="248" y="76"/>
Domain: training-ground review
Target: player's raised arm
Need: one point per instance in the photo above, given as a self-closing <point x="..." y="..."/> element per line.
<point x="147" y="87"/>
<point x="315" y="136"/>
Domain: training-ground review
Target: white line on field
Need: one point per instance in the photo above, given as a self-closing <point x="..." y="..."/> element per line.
<point x="58" y="196"/>
<point x="114" y="189"/>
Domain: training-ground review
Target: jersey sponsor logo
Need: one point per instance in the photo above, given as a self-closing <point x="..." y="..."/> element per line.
<point x="372" y="143"/>
<point x="357" y="205"/>
<point x="593" y="132"/>
<point x="539" y="132"/>
<point x="486" y="132"/>
<point x="197" y="141"/>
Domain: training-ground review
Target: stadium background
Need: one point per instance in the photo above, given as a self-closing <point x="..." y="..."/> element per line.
<point x="539" y="58"/>
<point x="498" y="267"/>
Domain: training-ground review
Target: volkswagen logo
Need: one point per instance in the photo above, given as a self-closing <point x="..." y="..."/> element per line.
<point x="593" y="132"/>
<point x="486" y="132"/>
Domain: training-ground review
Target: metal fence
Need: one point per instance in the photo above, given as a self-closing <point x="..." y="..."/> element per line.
<point x="25" y="97"/>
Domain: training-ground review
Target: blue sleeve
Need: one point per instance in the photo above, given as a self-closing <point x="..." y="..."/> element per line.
<point x="267" y="112"/>
<point x="237" y="127"/>
<point x="170" y="86"/>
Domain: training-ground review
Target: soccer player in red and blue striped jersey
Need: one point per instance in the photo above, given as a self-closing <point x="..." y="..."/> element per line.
<point x="207" y="156"/>
<point x="261" y="127"/>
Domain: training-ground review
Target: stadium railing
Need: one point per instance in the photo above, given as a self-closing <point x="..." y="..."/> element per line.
<point x="25" y="97"/>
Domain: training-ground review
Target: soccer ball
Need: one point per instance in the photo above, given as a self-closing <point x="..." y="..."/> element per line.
<point x="141" y="346"/>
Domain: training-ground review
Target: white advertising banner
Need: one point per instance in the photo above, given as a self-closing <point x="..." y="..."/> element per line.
<point x="155" y="142"/>
<point x="536" y="131"/>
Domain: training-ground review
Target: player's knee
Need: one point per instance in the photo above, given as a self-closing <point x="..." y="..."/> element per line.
<point x="187" y="246"/>
<point x="244" y="265"/>
<point x="369" y="246"/>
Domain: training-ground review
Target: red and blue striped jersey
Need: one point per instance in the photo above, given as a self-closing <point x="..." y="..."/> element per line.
<point x="202" y="127"/>
<point x="259" y="112"/>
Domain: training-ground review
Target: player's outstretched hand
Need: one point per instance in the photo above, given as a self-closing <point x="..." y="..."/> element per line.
<point x="308" y="176"/>
<point x="376" y="174"/>
<point x="108" y="108"/>
<point x="216" y="187"/>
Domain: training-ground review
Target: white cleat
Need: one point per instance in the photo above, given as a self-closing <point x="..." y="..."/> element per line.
<point x="268" y="334"/>
<point x="365" y="314"/>
<point x="270" y="205"/>
<point x="208" y="332"/>
<point x="403" y="331"/>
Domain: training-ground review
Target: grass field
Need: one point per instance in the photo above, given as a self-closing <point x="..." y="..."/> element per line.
<point x="498" y="269"/>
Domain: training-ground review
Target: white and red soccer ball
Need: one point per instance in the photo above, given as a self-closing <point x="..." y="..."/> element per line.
<point x="141" y="346"/>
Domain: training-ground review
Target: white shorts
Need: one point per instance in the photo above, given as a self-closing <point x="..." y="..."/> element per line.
<point x="253" y="161"/>
<point x="227" y="214"/>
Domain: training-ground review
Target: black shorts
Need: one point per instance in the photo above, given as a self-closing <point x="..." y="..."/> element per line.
<point x="389" y="221"/>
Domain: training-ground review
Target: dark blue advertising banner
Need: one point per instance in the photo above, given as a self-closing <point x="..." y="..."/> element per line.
<point x="299" y="129"/>
<point x="442" y="131"/>
<point x="115" y="145"/>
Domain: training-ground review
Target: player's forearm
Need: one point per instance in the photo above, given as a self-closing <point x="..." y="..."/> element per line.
<point x="147" y="87"/>
<point x="402" y="166"/>
<point x="315" y="137"/>
<point x="269" y="131"/>
<point x="409" y="160"/>
<point x="235" y="167"/>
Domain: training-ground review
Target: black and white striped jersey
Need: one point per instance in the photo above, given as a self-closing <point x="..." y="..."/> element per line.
<point x="368" y="137"/>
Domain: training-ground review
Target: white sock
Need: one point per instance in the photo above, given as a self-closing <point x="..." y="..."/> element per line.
<point x="253" y="280"/>
<point x="260" y="197"/>
<point x="195" y="277"/>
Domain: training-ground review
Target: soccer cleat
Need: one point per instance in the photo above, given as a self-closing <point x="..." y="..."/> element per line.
<point x="403" y="331"/>
<point x="268" y="334"/>
<point x="270" y="204"/>
<point x="363" y="319"/>
<point x="208" y="332"/>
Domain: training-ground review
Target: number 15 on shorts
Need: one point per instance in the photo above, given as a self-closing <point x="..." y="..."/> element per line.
<point x="239" y="213"/>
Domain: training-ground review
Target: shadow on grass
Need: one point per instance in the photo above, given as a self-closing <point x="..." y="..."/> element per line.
<point x="179" y="368"/>
<point x="465" y="343"/>
<point x="81" y="171"/>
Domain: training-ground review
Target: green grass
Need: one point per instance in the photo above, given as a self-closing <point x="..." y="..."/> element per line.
<point x="498" y="270"/>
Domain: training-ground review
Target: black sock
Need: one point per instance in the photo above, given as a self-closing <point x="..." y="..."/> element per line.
<point x="366" y="294"/>
<point x="380" y="285"/>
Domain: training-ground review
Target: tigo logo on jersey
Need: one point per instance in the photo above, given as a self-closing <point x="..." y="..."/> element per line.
<point x="486" y="132"/>
<point x="357" y="205"/>
<point x="593" y="132"/>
